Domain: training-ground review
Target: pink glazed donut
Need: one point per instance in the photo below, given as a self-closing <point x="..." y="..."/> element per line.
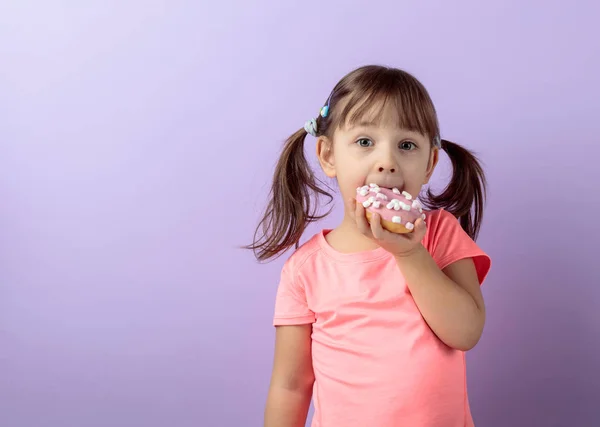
<point x="398" y="210"/>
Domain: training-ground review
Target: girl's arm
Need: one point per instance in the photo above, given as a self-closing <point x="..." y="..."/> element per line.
<point x="292" y="379"/>
<point x="450" y="300"/>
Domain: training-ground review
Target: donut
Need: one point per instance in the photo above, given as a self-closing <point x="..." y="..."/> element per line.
<point x="398" y="209"/>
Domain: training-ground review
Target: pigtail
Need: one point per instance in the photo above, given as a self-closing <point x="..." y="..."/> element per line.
<point x="293" y="202"/>
<point x="465" y="195"/>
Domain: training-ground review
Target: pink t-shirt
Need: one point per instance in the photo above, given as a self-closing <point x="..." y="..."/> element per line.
<point x="376" y="362"/>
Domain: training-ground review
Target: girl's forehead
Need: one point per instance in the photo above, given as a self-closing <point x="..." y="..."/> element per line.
<point x="375" y="112"/>
<point x="380" y="115"/>
<point x="389" y="108"/>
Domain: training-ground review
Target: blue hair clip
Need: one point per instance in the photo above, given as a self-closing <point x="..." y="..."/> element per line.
<point x="325" y="109"/>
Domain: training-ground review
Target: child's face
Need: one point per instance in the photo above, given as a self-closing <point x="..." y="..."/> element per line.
<point x="381" y="153"/>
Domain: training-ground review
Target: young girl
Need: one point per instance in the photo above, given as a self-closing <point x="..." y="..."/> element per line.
<point x="371" y="324"/>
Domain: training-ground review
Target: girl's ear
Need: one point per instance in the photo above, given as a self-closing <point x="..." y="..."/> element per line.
<point x="434" y="157"/>
<point x="325" y="156"/>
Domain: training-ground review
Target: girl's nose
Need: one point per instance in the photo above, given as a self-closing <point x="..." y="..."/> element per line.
<point x="383" y="169"/>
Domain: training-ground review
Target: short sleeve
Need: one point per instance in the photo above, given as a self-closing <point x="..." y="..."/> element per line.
<point x="447" y="243"/>
<point x="291" y="306"/>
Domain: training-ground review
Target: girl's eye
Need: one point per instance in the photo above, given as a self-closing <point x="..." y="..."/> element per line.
<point x="407" y="145"/>
<point x="364" y="142"/>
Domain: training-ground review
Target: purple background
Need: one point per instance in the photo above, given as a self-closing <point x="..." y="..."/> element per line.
<point x="136" y="145"/>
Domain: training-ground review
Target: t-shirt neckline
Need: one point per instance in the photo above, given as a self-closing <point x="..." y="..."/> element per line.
<point x="350" y="257"/>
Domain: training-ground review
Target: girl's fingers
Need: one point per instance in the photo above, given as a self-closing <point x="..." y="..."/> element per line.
<point x="361" y="220"/>
<point x="376" y="227"/>
<point x="420" y="229"/>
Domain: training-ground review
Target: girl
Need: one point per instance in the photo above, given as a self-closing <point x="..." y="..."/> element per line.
<point x="374" y="325"/>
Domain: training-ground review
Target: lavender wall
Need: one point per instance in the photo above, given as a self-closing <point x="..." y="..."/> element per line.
<point x="136" y="143"/>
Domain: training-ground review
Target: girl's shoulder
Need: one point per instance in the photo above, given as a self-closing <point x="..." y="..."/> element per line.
<point x="448" y="242"/>
<point x="439" y="219"/>
<point x="443" y="226"/>
<point x="304" y="252"/>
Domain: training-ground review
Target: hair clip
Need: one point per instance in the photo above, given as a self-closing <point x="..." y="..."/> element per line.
<point x="325" y="108"/>
<point x="311" y="127"/>
<point x="437" y="142"/>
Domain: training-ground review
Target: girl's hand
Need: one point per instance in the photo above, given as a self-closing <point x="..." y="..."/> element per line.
<point x="399" y="245"/>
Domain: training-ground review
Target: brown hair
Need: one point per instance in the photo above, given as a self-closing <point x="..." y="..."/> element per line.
<point x="295" y="191"/>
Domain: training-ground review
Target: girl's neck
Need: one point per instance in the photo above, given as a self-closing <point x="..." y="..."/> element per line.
<point x="346" y="238"/>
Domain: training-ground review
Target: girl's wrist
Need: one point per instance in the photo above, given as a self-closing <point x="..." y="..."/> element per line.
<point x="412" y="253"/>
